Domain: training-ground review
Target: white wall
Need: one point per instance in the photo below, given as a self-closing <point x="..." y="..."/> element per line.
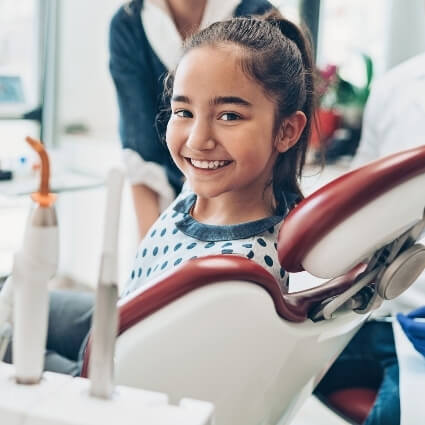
<point x="81" y="215"/>
<point x="406" y="35"/>
<point x="86" y="95"/>
<point x="85" y="90"/>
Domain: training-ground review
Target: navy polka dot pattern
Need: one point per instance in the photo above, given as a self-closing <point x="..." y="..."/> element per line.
<point x="166" y="247"/>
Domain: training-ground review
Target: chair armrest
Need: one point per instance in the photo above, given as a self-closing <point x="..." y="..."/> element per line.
<point x="202" y="271"/>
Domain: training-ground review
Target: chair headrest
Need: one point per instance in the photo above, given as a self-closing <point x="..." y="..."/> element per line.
<point x="319" y="213"/>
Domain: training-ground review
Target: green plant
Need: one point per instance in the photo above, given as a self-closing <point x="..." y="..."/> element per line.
<point x="336" y="92"/>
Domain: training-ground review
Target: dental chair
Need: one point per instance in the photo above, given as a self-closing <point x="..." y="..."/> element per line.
<point x="222" y="329"/>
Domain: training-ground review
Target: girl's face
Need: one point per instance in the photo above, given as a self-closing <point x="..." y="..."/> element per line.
<point x="220" y="133"/>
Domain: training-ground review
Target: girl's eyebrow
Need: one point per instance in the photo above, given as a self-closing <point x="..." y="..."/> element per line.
<point x="180" y="98"/>
<point x="219" y="100"/>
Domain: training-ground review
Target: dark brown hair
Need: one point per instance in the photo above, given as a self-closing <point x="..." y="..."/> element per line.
<point x="277" y="55"/>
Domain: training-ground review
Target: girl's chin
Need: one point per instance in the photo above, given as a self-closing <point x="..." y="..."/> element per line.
<point x="205" y="192"/>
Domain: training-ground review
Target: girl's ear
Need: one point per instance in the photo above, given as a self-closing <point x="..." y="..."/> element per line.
<point x="290" y="131"/>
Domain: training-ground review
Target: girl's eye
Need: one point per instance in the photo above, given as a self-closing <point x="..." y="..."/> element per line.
<point x="183" y="113"/>
<point x="230" y="116"/>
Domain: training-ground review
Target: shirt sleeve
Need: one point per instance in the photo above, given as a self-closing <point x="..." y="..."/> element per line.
<point x="137" y="98"/>
<point x="151" y="174"/>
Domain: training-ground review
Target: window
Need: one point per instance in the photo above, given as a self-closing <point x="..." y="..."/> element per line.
<point x="349" y="29"/>
<point x="19" y="57"/>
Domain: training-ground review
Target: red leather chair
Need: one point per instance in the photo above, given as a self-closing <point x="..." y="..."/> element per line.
<point x="222" y="329"/>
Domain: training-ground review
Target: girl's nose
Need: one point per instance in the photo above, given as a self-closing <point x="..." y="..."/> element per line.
<point x="200" y="136"/>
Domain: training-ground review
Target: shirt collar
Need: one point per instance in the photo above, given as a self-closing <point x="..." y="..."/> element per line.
<point x="211" y="233"/>
<point x="162" y="33"/>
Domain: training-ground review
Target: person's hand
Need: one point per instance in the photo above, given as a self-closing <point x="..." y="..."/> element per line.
<point x="413" y="328"/>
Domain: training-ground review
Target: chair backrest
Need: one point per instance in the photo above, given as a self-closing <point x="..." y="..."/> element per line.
<point x="226" y="342"/>
<point x="221" y="328"/>
<point x="346" y="221"/>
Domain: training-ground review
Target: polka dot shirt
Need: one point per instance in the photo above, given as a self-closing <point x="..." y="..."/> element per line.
<point x="177" y="237"/>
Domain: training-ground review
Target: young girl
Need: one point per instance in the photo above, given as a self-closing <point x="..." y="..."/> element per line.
<point x="241" y="109"/>
<point x="241" y="105"/>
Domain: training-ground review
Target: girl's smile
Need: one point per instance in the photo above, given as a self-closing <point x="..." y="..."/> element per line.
<point x="206" y="164"/>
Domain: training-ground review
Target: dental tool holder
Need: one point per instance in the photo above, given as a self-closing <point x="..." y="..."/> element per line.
<point x="105" y="327"/>
<point x="105" y="318"/>
<point x="64" y="400"/>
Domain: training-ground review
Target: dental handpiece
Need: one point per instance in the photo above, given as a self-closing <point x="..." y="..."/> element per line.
<point x="105" y="319"/>
<point x="34" y="265"/>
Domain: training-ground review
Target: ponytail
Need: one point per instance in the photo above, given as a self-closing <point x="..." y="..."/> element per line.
<point x="288" y="168"/>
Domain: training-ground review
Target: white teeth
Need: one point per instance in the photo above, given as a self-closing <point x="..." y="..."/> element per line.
<point x="207" y="164"/>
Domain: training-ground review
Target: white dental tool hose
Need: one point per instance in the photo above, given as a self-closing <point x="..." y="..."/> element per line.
<point x="33" y="267"/>
<point x="105" y="319"/>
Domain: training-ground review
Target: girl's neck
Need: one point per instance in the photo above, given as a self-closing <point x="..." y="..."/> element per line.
<point x="228" y="208"/>
<point x="187" y="15"/>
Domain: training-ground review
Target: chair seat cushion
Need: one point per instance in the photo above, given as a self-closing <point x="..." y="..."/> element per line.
<point x="354" y="403"/>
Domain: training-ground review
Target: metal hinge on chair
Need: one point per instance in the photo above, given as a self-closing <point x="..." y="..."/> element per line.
<point x="390" y="271"/>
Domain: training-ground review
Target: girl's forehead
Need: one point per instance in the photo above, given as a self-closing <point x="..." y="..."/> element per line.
<point x="222" y="56"/>
<point x="209" y="68"/>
